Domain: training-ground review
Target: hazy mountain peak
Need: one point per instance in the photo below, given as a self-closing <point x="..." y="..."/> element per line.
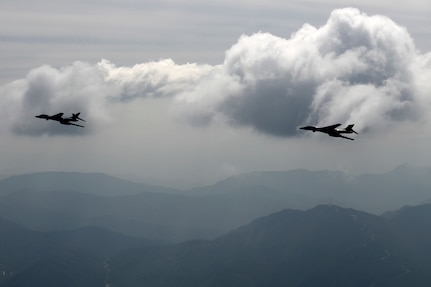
<point x="312" y="223"/>
<point x="409" y="170"/>
<point x="92" y="183"/>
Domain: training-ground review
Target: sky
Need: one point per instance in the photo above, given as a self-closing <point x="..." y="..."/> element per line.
<point x="185" y="93"/>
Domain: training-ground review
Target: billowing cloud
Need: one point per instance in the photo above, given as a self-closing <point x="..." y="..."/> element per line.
<point x="46" y="90"/>
<point x="89" y="89"/>
<point x="353" y="69"/>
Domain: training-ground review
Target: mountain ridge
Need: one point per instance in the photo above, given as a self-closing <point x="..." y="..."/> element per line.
<point x="202" y="213"/>
<point x="326" y="245"/>
<point x="323" y="246"/>
<point x="92" y="183"/>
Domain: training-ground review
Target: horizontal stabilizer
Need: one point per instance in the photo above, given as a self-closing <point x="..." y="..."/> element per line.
<point x="349" y="129"/>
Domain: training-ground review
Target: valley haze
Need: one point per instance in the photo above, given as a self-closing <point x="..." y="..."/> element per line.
<point x="260" y="228"/>
<point x="51" y="201"/>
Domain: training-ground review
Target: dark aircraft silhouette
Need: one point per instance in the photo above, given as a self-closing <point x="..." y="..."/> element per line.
<point x="56" y="117"/>
<point x="75" y="118"/>
<point x="64" y="121"/>
<point x="332" y="130"/>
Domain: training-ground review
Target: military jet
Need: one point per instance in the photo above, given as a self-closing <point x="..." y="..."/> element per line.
<point x="332" y="130"/>
<point x="64" y="121"/>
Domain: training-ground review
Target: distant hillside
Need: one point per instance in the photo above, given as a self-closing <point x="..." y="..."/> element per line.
<point x="72" y="258"/>
<point x="91" y="183"/>
<point x="323" y="246"/>
<point x="60" y="201"/>
<point x="302" y="189"/>
<point x="149" y="215"/>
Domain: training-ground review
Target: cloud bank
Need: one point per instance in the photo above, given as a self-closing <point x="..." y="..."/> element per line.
<point x="353" y="69"/>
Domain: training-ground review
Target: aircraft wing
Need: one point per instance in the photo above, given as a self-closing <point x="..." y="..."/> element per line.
<point x="330" y="128"/>
<point x="341" y="136"/>
<point x="75" y="125"/>
<point x="57" y="117"/>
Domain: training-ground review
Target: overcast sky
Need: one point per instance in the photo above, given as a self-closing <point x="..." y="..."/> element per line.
<point x="184" y="93"/>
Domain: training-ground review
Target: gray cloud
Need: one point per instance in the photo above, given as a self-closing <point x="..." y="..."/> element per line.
<point x="154" y="79"/>
<point x="90" y="89"/>
<point x="46" y="90"/>
<point x="353" y="69"/>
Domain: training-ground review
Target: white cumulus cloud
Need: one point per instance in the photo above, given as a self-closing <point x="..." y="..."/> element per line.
<point x="355" y="68"/>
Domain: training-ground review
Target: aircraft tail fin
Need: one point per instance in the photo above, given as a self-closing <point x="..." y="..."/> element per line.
<point x="349" y="128"/>
<point x="76" y="117"/>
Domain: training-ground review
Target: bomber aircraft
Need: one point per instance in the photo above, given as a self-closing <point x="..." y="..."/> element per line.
<point x="64" y="121"/>
<point x="332" y="130"/>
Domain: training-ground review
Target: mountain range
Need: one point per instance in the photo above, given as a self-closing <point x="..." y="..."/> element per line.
<point x="323" y="246"/>
<point x="59" y="201"/>
<point x="90" y="183"/>
<point x="59" y="258"/>
<point x="281" y="228"/>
